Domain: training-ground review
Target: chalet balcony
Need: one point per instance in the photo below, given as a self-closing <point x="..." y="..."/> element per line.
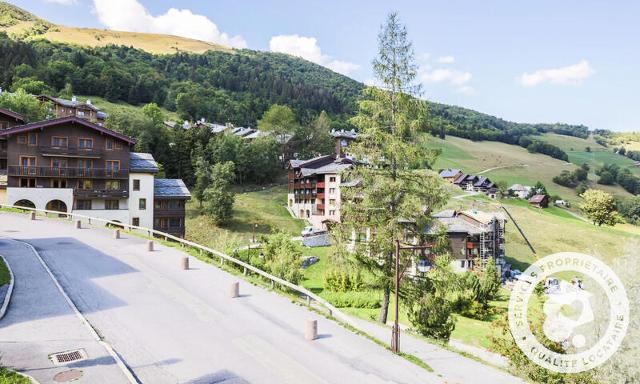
<point x="59" y="172"/>
<point x="100" y="193"/>
<point x="167" y="212"/>
<point x="70" y="151"/>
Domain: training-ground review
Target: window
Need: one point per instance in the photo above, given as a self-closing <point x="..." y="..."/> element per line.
<point x="60" y="142"/>
<point x="332" y="201"/>
<point x="83" y="204"/>
<point x="22" y="139"/>
<point x="174" y="204"/>
<point x="81" y="113"/>
<point x="157" y="204"/>
<point x="85" y="164"/>
<point x="332" y="179"/>
<point x="112" y="185"/>
<point x="27" y="183"/>
<point x="135" y="221"/>
<point x="118" y="145"/>
<point x="108" y="144"/>
<point x="175" y="222"/>
<point x="112" y="166"/>
<point x="85" y="184"/>
<point x="33" y="139"/>
<point x="332" y="212"/>
<point x="111" y="204"/>
<point x="85" y="143"/>
<point x="332" y="191"/>
<point x="142" y="204"/>
<point x="58" y="163"/>
<point x="136" y="184"/>
<point x="58" y="183"/>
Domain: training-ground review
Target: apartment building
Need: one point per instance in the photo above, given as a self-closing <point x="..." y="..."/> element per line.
<point x="474" y="236"/>
<point x="314" y="184"/>
<point x="84" y="110"/>
<point x="70" y="164"/>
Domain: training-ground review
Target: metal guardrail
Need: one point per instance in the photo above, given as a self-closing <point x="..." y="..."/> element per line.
<point x="333" y="311"/>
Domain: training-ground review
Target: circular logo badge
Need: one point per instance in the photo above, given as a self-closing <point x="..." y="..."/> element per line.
<point x="567" y="310"/>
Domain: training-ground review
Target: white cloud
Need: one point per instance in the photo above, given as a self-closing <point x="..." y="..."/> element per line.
<point x="307" y="48"/>
<point x="572" y="74"/>
<point x="446" y="59"/>
<point x="62" y="2"/>
<point x="130" y="15"/>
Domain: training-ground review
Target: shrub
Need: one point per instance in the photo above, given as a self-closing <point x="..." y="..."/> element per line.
<point x="361" y="299"/>
<point x="343" y="280"/>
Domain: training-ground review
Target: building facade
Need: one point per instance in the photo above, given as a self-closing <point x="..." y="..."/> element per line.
<point x="64" y="108"/>
<point x="69" y="164"/>
<point x="474" y="236"/>
<point x="314" y="184"/>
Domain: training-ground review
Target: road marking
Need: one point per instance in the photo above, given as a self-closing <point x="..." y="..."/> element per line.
<point x="119" y="361"/>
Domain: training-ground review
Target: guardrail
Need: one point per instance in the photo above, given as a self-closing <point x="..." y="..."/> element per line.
<point x="333" y="311"/>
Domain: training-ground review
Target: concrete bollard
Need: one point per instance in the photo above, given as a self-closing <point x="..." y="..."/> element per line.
<point x="234" y="290"/>
<point x="311" y="330"/>
<point x="185" y="263"/>
<point x="116" y="234"/>
<point x="33" y="215"/>
<point x="150" y="245"/>
<point x="78" y="224"/>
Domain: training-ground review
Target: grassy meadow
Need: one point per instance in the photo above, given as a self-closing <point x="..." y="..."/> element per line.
<point x="514" y="164"/>
<point x="264" y="207"/>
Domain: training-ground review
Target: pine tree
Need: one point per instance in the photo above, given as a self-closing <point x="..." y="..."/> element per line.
<point x="391" y="192"/>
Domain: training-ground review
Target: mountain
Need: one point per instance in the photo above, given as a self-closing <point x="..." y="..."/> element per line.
<point x="199" y="79"/>
<point x="18" y="23"/>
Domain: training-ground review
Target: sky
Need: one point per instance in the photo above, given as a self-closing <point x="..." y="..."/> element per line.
<point x="545" y="61"/>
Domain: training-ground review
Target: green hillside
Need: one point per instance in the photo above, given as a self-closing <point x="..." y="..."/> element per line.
<point x="511" y="163"/>
<point x="21" y="24"/>
<point x="598" y="155"/>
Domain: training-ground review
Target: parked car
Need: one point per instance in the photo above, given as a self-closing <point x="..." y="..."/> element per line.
<point x="308" y="261"/>
<point x="311" y="231"/>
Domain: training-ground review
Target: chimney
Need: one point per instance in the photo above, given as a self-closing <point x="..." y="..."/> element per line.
<point x="74" y="98"/>
<point x="89" y="101"/>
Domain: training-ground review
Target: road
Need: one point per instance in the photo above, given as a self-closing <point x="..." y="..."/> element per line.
<point x="39" y="322"/>
<point x="170" y="325"/>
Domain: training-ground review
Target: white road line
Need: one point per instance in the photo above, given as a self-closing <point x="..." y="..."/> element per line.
<point x="121" y="364"/>
<point x="7" y="296"/>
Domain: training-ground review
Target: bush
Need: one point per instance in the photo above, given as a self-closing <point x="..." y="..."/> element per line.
<point x="361" y="299"/>
<point x="343" y="281"/>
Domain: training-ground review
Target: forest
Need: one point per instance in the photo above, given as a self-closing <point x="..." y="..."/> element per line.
<point x="236" y="87"/>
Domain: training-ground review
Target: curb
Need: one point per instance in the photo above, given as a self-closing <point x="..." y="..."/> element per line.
<point x="119" y="362"/>
<point x="7" y="296"/>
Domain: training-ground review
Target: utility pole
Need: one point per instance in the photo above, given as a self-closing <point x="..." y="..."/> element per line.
<point x="395" y="330"/>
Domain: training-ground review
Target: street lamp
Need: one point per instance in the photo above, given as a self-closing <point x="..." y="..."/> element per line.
<point x="395" y="330"/>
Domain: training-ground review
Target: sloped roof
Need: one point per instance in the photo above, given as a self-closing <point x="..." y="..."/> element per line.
<point x="352" y="134"/>
<point x="142" y="162"/>
<point x="66" y="120"/>
<point x="170" y="188"/>
<point x="449" y="172"/>
<point x="11" y="114"/>
<point x="71" y="103"/>
<point x="537" y="198"/>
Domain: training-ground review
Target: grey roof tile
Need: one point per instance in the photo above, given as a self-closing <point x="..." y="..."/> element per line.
<point x="142" y="162"/>
<point x="170" y="188"/>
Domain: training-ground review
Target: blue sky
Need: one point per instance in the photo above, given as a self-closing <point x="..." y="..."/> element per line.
<point x="527" y="61"/>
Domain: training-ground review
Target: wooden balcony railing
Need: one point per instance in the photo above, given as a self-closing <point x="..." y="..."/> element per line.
<point x="70" y="151"/>
<point x="101" y="193"/>
<point x="83" y="173"/>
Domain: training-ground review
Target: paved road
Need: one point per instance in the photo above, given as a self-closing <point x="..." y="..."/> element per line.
<point x="174" y="326"/>
<point x="40" y="322"/>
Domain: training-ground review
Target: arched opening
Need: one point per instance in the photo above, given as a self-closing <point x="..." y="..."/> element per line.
<point x="24" y="203"/>
<point x="308" y="214"/>
<point x="56" y="205"/>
